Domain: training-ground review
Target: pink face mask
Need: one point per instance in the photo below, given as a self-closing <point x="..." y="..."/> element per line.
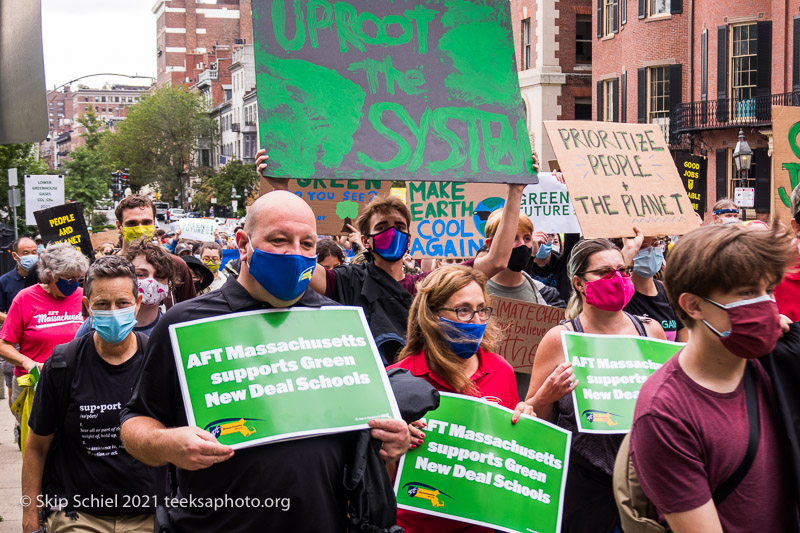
<point x="755" y="327"/>
<point x="610" y="294"/>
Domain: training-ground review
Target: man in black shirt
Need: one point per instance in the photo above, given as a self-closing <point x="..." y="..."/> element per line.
<point x="298" y="485"/>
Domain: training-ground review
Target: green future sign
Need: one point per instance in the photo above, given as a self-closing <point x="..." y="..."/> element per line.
<point x="390" y="90"/>
<point x="263" y="376"/>
<point x="611" y="370"/>
<point x="477" y="467"/>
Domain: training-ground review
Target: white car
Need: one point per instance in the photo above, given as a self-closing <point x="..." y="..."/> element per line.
<point x="177" y="213"/>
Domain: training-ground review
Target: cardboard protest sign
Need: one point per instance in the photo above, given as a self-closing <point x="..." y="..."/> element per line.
<point x="548" y="206"/>
<point x="65" y="223"/>
<point x="621" y="175"/>
<point x="477" y="467"/>
<point x="249" y="377"/>
<point x="523" y="325"/>
<point x="197" y="229"/>
<point x="109" y="236"/>
<point x="610" y="370"/>
<point x="42" y="192"/>
<point x="338" y="202"/>
<point x="785" y="159"/>
<point x="449" y="219"/>
<point x="390" y="90"/>
<point x="693" y="170"/>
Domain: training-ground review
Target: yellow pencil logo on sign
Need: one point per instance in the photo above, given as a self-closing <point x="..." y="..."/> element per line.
<point x="425" y="492"/>
<point x="592" y="415"/>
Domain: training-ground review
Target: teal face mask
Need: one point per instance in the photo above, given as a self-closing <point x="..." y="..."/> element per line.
<point x="114" y="326"/>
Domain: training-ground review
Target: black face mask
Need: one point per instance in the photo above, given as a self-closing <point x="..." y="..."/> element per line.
<point x="519" y="258"/>
<point x="198" y="286"/>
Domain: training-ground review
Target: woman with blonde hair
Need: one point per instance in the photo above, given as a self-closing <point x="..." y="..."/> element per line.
<point x="449" y="345"/>
<point x="601" y="287"/>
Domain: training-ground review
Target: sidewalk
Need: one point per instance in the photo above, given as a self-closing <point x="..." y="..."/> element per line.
<point x="10" y="473"/>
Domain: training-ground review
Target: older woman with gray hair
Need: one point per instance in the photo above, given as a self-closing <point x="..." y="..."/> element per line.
<point x="44" y="315"/>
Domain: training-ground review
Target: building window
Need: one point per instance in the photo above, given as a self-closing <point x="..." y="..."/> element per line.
<point x="609" y="94"/>
<point x="583" y="39"/>
<point x="610" y="16"/>
<point x="658" y="98"/>
<point x="658" y="7"/>
<point x="583" y="109"/>
<point x="526" y="44"/>
<point x="744" y="64"/>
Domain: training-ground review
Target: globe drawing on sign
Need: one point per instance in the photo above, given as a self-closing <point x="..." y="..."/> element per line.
<point x="484" y="209"/>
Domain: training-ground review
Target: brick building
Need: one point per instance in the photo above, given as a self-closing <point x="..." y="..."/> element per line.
<point x="110" y="105"/>
<point x="703" y="69"/>
<point x="196" y="39"/>
<point x="553" y="43"/>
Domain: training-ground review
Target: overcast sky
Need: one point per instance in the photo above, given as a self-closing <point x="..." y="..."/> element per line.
<point x="83" y="37"/>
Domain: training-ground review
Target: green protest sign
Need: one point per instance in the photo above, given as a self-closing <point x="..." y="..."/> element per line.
<point x="477" y="467"/>
<point x="390" y="90"/>
<point x="610" y="370"/>
<point x="263" y="376"/>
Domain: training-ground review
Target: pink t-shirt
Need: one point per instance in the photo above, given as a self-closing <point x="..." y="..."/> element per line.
<point x="38" y="322"/>
<point x="686" y="440"/>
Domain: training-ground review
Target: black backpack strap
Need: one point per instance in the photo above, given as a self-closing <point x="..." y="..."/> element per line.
<point x="751" y="397"/>
<point x="63" y="365"/>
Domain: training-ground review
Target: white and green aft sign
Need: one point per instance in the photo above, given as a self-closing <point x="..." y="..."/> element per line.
<point x="475" y="466"/>
<point x="610" y="370"/>
<point x="263" y="376"/>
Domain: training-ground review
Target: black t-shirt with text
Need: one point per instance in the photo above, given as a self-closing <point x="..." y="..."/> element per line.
<point x="658" y="308"/>
<point x="88" y="467"/>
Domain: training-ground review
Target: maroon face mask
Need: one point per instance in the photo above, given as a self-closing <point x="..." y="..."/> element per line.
<point x="755" y="327"/>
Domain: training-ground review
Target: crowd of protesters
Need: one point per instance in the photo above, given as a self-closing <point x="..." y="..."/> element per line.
<point x="98" y="335"/>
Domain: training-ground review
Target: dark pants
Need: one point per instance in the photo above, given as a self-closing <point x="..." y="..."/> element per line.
<point x="589" y="505"/>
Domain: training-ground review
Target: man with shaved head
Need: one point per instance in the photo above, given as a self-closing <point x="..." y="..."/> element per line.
<point x="277" y="248"/>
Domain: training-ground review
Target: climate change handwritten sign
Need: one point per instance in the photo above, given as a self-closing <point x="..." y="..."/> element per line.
<point x="785" y="158"/>
<point x="523" y="325"/>
<point x="619" y="176"/>
<point x="338" y="202"/>
<point x="611" y="370"/>
<point x="249" y="378"/>
<point x="478" y="468"/>
<point x="65" y="223"/>
<point x="548" y="206"/>
<point x="390" y="90"/>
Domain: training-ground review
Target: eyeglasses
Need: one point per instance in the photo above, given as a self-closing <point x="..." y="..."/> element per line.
<point x="608" y="273"/>
<point x="465" y="314"/>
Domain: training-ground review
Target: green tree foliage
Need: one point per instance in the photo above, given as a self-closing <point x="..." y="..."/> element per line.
<point x="158" y="139"/>
<point x="89" y="170"/>
<point x="23" y="158"/>
<point x="235" y="174"/>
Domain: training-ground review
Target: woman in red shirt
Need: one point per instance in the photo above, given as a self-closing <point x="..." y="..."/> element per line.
<point x="449" y="342"/>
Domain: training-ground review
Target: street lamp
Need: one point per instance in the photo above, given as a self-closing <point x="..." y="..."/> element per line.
<point x="742" y="159"/>
<point x="234" y="201"/>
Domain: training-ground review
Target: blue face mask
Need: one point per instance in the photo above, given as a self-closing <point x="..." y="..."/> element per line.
<point x="39" y="248"/>
<point x="647" y="262"/>
<point x="114" y="326"/>
<point x="285" y="276"/>
<point x="390" y="244"/>
<point x="466" y="337"/>
<point x="544" y="250"/>
<point x="26" y="262"/>
<point x="66" y="286"/>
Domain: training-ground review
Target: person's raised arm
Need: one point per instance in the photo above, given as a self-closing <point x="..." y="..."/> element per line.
<point x="268" y="183"/>
<point x="319" y="280"/>
<point x="502" y="243"/>
<point x="551" y="377"/>
<point x="189" y="448"/>
<point x="631" y="245"/>
<point x="36" y="449"/>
